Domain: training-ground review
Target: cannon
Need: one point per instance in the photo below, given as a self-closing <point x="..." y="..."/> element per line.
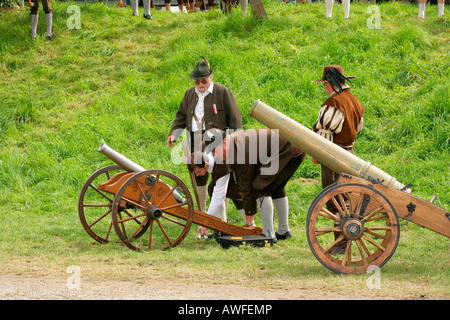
<point x="367" y="202"/>
<point x="148" y="209"/>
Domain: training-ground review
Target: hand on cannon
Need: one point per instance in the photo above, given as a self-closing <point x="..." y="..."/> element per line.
<point x="170" y="140"/>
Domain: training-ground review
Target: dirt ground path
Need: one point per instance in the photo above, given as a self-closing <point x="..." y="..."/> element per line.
<point x="20" y="287"/>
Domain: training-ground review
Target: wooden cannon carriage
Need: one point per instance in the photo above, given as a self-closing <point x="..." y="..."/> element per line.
<point x="133" y="200"/>
<point x="367" y="202"/>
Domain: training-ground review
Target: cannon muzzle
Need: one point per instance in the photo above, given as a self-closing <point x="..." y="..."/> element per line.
<point x="323" y="150"/>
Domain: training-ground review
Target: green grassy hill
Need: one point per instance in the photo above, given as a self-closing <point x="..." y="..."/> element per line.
<point x="121" y="78"/>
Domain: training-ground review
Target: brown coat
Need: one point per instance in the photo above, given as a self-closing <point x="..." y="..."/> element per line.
<point x="353" y="111"/>
<point x="228" y="113"/>
<point x="254" y="171"/>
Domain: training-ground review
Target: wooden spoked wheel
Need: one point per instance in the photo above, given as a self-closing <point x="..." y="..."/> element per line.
<point x="357" y="218"/>
<point x="94" y="205"/>
<point x="148" y="200"/>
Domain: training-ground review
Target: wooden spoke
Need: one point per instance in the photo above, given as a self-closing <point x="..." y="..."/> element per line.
<point x="100" y="218"/>
<point x="137" y="230"/>
<point x="343" y="205"/>
<point x="338" y="206"/>
<point x="132" y="218"/>
<point x="174" y="221"/>
<point x="144" y="196"/>
<point x="167" y="195"/>
<point x="359" y="245"/>
<point x="327" y="214"/>
<point x="322" y="231"/>
<point x="174" y="206"/>
<point x="164" y="232"/>
<point x="377" y="210"/>
<point x="375" y="233"/>
<point x="100" y="192"/>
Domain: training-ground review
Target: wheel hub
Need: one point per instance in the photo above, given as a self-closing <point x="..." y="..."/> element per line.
<point x="353" y="229"/>
<point x="153" y="212"/>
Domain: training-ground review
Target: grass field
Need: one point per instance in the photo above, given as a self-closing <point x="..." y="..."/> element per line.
<point x="121" y="78"/>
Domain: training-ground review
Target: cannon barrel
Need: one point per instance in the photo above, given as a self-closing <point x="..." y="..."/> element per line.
<point x="129" y="165"/>
<point x="119" y="159"/>
<point x="323" y="150"/>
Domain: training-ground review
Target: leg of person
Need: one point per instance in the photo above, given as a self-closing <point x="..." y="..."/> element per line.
<point x="279" y="196"/>
<point x="441" y="5"/>
<point x="248" y="220"/>
<point x="222" y="212"/>
<point x="147" y="14"/>
<point x="48" y="17"/>
<point x="244" y="218"/>
<point x="198" y="5"/>
<point x="49" y="21"/>
<point x="34" y="17"/>
<point x="202" y="196"/>
<point x="265" y="207"/>
<point x="211" y="5"/>
<point x="282" y="208"/>
<point x="134" y="7"/>
<point x="244" y="5"/>
<point x="181" y="6"/>
<point x="422" y="8"/>
<point x="346" y="6"/>
<point x="167" y="5"/>
<point x="329" y="8"/>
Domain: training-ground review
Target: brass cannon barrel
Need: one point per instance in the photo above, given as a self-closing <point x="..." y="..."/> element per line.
<point x="129" y="165"/>
<point x="323" y="150"/>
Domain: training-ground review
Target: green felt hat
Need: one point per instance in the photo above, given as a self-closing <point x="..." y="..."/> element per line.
<point x="201" y="70"/>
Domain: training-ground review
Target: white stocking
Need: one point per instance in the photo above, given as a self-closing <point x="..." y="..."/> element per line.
<point x="346" y="6"/>
<point x="282" y="207"/>
<point x="34" y="20"/>
<point x="422" y="10"/>
<point x="146" y="7"/>
<point x="329" y="8"/>
<point x="48" y="21"/>
<point x="134" y="6"/>
<point x="265" y="206"/>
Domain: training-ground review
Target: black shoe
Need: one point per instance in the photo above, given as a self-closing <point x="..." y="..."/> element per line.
<point x="148" y="16"/>
<point x="283" y="236"/>
<point x="216" y="234"/>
